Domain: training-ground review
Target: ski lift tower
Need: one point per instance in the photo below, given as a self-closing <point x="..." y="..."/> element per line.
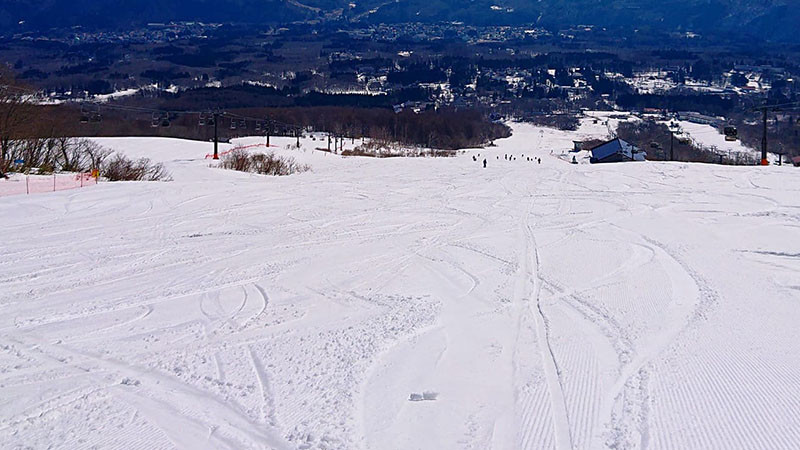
<point x="213" y="118"/>
<point x="764" y="110"/>
<point x="672" y="131"/>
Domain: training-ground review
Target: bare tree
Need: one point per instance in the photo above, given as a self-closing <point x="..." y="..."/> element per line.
<point x="95" y="152"/>
<point x="16" y="112"/>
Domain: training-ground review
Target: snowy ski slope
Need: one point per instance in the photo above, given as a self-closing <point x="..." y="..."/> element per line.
<point x="640" y="305"/>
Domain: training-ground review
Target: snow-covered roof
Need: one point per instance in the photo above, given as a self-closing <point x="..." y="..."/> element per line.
<point x="615" y="146"/>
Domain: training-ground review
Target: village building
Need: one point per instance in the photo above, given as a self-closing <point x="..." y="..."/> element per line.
<point x="616" y="150"/>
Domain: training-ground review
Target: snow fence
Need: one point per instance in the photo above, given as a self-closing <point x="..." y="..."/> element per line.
<point x="18" y="184"/>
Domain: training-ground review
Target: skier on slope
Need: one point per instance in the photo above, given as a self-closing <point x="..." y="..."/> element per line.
<point x="484" y="163"/>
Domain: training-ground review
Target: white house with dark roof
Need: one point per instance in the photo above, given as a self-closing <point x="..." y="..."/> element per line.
<point x="616" y="150"/>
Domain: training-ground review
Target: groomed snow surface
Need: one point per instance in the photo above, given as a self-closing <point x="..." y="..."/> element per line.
<point x="521" y="306"/>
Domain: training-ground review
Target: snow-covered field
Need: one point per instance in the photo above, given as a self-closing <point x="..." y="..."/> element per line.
<point x="709" y="137"/>
<point x="640" y="305"/>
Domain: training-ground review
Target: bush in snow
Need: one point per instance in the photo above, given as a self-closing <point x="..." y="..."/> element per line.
<point x="237" y="160"/>
<point x="265" y="164"/>
<point x="385" y="149"/>
<point x="120" y="168"/>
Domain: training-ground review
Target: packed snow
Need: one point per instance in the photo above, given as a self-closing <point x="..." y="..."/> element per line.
<point x="404" y="303"/>
<point x="709" y="137"/>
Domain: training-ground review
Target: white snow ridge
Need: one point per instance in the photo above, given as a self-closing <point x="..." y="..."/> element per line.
<point x="404" y="303"/>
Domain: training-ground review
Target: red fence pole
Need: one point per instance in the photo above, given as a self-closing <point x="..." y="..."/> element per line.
<point x="27" y="184"/>
<point x="54" y="182"/>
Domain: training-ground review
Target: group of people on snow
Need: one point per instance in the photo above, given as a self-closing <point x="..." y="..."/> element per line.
<point x="507" y="157"/>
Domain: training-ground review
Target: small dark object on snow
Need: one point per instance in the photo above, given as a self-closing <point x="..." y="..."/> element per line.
<point x="484" y="163"/>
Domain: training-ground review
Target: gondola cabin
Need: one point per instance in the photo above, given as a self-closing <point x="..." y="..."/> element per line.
<point x="731" y="133"/>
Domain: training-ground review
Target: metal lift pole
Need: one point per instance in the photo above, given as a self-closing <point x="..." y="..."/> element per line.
<point x="216" y="136"/>
<point x="671" y="145"/>
<point x="764" y="161"/>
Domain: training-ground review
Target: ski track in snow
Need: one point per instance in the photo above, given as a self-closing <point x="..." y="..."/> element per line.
<point x="551" y="305"/>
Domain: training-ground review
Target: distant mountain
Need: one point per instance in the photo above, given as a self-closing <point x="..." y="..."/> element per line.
<point x="767" y="19"/>
<point x="126" y="13"/>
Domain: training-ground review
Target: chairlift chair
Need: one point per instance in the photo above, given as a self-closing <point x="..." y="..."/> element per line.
<point x="202" y="121"/>
<point x="156" y="120"/>
<point x="731" y="133"/>
<point x="84" y="114"/>
<point x="233" y="124"/>
<point x="165" y="121"/>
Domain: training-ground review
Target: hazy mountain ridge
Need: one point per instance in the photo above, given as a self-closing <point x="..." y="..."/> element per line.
<point x="769" y="19"/>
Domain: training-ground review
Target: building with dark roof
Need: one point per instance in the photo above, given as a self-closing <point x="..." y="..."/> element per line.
<point x="616" y="150"/>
